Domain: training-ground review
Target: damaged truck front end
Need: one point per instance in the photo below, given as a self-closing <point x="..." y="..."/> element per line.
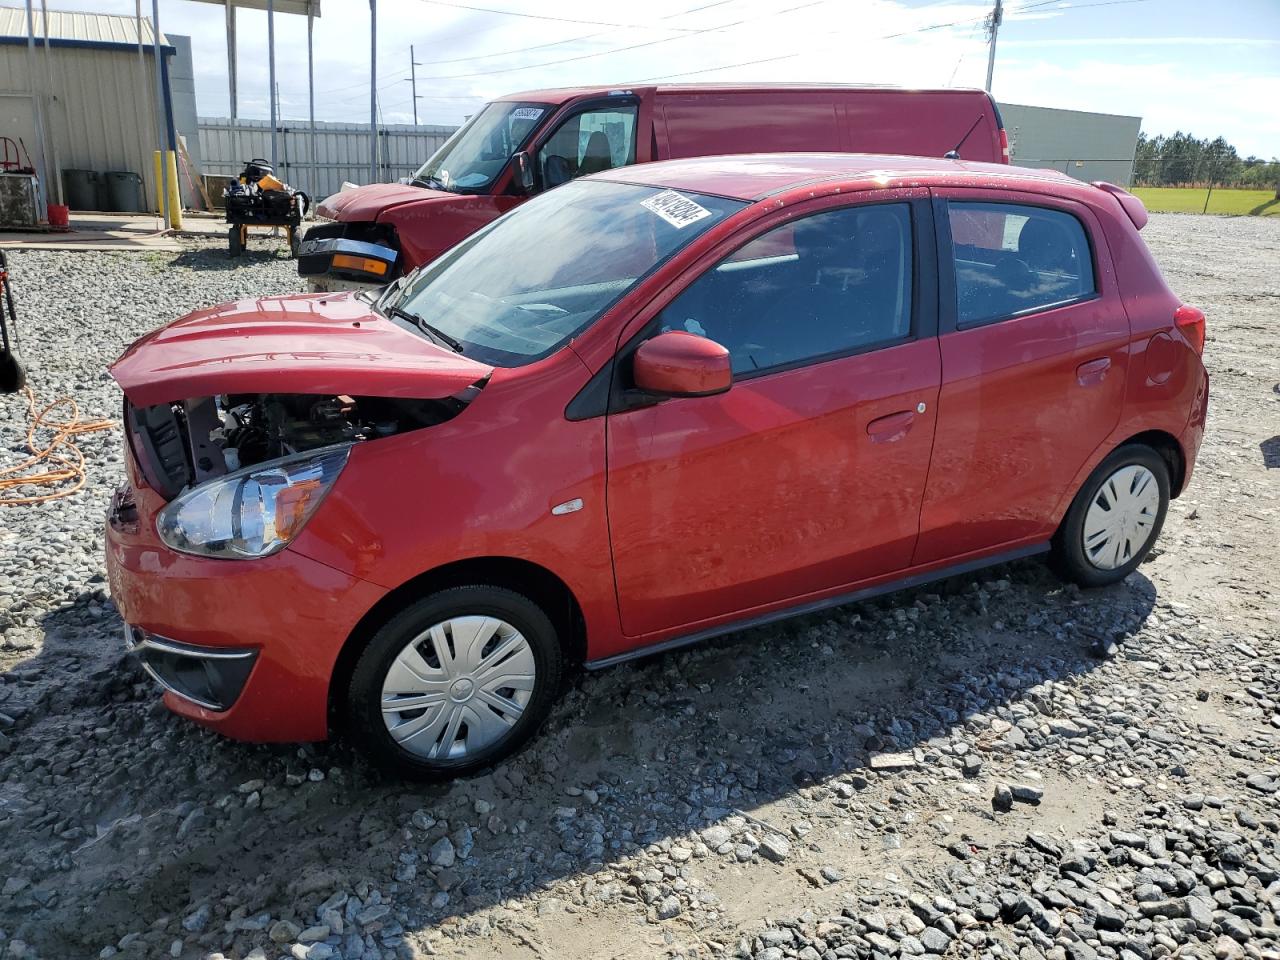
<point x="221" y="481"/>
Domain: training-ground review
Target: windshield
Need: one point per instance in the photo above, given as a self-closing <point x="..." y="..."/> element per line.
<point x="523" y="286"/>
<point x="472" y="157"/>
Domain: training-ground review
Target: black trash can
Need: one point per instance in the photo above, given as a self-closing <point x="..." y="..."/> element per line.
<point x="80" y="189"/>
<point x="124" y="192"/>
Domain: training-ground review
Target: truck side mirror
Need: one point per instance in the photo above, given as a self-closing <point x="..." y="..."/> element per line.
<point x="524" y="172"/>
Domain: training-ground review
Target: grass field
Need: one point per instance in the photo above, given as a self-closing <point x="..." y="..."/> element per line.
<point x="1191" y="200"/>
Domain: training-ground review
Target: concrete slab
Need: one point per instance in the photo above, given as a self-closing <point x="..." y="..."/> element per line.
<point x="115" y="231"/>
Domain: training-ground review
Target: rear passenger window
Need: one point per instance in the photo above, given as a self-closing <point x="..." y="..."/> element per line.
<point x="1012" y="259"/>
<point x="829" y="284"/>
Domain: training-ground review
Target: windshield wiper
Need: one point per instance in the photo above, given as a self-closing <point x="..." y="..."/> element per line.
<point x="434" y="332"/>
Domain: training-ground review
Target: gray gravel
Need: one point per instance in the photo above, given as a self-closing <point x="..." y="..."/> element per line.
<point x="998" y="766"/>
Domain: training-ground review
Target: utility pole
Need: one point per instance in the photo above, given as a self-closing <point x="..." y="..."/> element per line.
<point x="373" y="91"/>
<point x="994" y="19"/>
<point x="413" y="79"/>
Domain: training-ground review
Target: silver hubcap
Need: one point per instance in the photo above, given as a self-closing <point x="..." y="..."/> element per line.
<point x="1122" y="517"/>
<point x="458" y="687"/>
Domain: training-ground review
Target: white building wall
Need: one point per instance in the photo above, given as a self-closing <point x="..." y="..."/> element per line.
<point x="100" y="115"/>
<point x="1087" y="146"/>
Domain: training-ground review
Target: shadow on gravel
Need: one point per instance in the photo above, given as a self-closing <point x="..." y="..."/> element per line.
<point x="265" y="250"/>
<point x="1271" y="453"/>
<point x="113" y="813"/>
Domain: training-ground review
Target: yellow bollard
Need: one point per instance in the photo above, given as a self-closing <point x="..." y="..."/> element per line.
<point x="158" y="193"/>
<point x="175" y="194"/>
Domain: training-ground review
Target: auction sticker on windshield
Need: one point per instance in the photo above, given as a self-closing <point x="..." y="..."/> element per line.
<point x="675" y="208"/>
<point x="526" y="113"/>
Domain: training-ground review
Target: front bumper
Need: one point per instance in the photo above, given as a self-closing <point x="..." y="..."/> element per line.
<point x="323" y="257"/>
<point x="275" y="626"/>
<point x="209" y="677"/>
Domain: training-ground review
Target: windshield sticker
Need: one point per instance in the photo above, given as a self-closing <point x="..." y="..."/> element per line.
<point x="675" y="208"/>
<point x="526" y="113"/>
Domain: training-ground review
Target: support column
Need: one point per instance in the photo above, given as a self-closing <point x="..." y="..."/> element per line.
<point x="271" y="72"/>
<point x="314" y="176"/>
<point x="161" y="139"/>
<point x="373" y="91"/>
<point x="231" y="55"/>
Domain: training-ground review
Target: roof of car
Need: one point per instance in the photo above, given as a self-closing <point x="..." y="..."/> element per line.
<point x="759" y="175"/>
<point x="559" y="95"/>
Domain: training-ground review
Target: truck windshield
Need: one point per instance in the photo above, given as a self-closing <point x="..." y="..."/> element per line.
<point x="522" y="287"/>
<point x="472" y="157"/>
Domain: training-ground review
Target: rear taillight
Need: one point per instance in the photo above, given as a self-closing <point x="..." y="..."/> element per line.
<point x="1190" y="321"/>
<point x="1004" y="145"/>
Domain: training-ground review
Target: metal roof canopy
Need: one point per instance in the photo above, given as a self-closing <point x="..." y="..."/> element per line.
<point x="308" y="8"/>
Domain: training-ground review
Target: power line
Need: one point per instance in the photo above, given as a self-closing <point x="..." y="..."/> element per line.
<point x="540" y="16"/>
<point x="628" y="47"/>
<point x="894" y="36"/>
<point x="589" y="36"/>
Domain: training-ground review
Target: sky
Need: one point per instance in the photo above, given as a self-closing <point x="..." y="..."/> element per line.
<point x="1208" y="69"/>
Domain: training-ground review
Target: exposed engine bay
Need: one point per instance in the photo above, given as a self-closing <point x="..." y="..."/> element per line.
<point x="185" y="443"/>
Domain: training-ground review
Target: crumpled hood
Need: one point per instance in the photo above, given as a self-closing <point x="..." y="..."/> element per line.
<point x="318" y="343"/>
<point x="367" y="203"/>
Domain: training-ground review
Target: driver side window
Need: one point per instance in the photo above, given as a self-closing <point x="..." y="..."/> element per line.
<point x="833" y="283"/>
<point x="587" y="143"/>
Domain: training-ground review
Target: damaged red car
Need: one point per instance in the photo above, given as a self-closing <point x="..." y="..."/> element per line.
<point x="651" y="406"/>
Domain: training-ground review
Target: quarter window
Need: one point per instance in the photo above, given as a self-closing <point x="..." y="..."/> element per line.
<point x="828" y="284"/>
<point x="1012" y="259"/>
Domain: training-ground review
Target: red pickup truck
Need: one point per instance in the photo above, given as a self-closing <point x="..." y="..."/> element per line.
<point x="525" y="143"/>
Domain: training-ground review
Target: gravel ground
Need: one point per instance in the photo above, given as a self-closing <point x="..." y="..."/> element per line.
<point x="951" y="771"/>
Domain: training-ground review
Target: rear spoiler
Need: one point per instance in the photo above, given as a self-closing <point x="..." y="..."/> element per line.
<point x="1132" y="205"/>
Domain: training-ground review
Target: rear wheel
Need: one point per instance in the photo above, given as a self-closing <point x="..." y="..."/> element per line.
<point x="1115" y="518"/>
<point x="235" y="241"/>
<point x="455" y="682"/>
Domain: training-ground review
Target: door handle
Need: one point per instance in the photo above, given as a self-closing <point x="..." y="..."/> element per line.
<point x="892" y="427"/>
<point x="1092" y="372"/>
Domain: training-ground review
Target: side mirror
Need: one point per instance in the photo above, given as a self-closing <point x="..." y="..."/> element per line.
<point x="524" y="172"/>
<point x="679" y="364"/>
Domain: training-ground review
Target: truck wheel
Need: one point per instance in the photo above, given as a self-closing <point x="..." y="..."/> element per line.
<point x="235" y="242"/>
<point x="1115" y="518"/>
<point x="454" y="683"/>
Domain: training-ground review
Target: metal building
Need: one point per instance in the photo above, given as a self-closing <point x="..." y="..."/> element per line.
<point x="91" y="92"/>
<point x="1088" y="146"/>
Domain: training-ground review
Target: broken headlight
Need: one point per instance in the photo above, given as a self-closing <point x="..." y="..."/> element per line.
<point x="253" y="512"/>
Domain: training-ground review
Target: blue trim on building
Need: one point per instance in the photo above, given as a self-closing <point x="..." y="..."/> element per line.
<point x="166" y="49"/>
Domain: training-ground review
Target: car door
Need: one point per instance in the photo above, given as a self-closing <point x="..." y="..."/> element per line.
<point x="808" y="473"/>
<point x="1034" y="344"/>
<point x="593" y="137"/>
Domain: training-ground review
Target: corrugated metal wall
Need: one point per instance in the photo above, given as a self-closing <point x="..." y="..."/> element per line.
<point x="1087" y="146"/>
<point x="101" y="114"/>
<point x="342" y="150"/>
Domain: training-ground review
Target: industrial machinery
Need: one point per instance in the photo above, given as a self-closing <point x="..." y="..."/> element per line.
<point x="259" y="199"/>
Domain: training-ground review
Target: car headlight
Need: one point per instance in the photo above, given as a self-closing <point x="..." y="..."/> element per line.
<point x="253" y="512"/>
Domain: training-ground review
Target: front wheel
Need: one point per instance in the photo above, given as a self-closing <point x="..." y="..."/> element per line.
<point x="1115" y="518"/>
<point x="455" y="682"/>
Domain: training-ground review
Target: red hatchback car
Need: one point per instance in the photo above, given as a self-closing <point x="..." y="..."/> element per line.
<point x="651" y="406"/>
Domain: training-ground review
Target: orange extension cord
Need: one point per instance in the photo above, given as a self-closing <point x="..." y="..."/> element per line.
<point x="61" y="452"/>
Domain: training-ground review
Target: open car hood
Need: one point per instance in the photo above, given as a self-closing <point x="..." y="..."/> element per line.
<point x="369" y="202"/>
<point x="309" y="344"/>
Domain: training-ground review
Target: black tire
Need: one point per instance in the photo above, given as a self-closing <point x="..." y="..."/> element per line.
<point x="1069" y="554"/>
<point x="365" y="723"/>
<point x="295" y="243"/>
<point x="235" y="244"/>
